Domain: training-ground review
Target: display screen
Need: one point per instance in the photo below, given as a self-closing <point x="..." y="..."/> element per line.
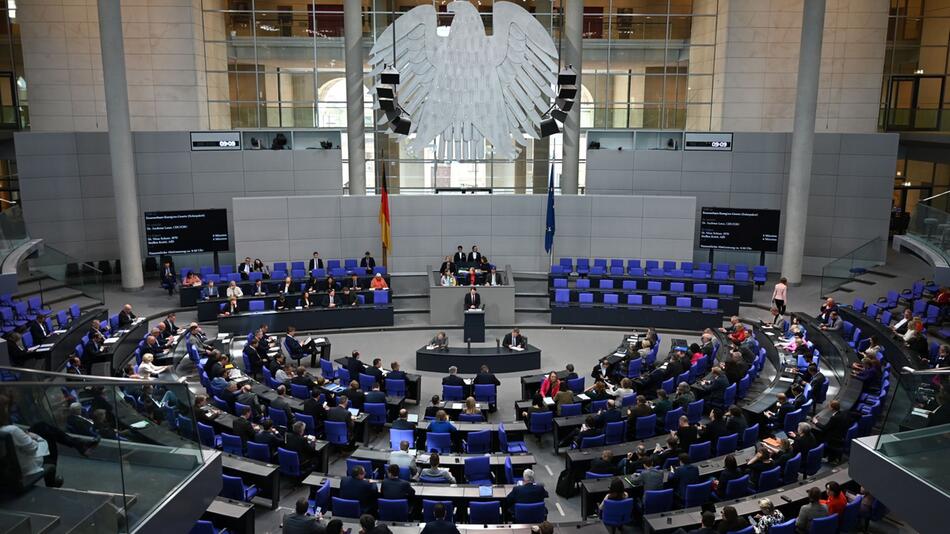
<point x="739" y="229"/>
<point x="186" y="232"/>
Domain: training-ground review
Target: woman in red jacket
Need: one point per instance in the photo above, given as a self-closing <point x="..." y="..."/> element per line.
<point x="551" y="385"/>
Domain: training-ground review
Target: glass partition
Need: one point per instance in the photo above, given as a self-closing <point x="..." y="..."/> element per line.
<point x="63" y="269"/>
<point x="12" y="230"/>
<point x="932" y="226"/>
<point x="99" y="453"/>
<point x="838" y="272"/>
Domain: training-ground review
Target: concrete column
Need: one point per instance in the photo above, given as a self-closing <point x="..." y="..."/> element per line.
<point x="521" y="172"/>
<point x="353" y="55"/>
<point x="803" y="140"/>
<point x="539" y="169"/>
<point x="121" y="153"/>
<point x="571" y="52"/>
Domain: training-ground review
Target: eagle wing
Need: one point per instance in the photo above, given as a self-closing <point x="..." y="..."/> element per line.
<point x="525" y="60"/>
<point x="416" y="45"/>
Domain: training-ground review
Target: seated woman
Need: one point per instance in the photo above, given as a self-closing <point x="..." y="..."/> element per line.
<point x="192" y="279"/>
<point x="598" y="391"/>
<point x="874" y="347"/>
<point x="696" y="353"/>
<point x="625" y="389"/>
<point x="869" y="372"/>
<point x="234" y="290"/>
<point x="471" y="407"/>
<point x="448" y="279"/>
<point x="259" y="267"/>
<point x="730" y="472"/>
<point x="551" y="385"/>
<point x="305" y="300"/>
<point x="281" y="303"/>
<point x="149" y="366"/>
<point x="436" y="473"/>
<point x="617" y="492"/>
<point x="768" y="515"/>
<point x="378" y="283"/>
<point x="231" y="308"/>
<point x="471" y="278"/>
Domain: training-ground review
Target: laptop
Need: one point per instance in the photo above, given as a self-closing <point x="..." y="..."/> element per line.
<point x="354" y="411"/>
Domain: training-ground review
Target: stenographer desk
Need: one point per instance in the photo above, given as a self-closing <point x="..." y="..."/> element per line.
<point x="498" y="359"/>
<point x="309" y="319"/>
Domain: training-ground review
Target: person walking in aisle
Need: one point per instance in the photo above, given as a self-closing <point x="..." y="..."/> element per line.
<point x="780" y="294"/>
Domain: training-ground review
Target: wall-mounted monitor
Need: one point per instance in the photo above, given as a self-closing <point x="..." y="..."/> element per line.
<point x="739" y="229"/>
<point x="215" y="141"/>
<point x="717" y="141"/>
<point x="186" y="232"/>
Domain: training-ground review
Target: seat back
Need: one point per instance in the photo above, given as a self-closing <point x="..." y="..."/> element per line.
<point x="770" y="479"/>
<point x="824" y="525"/>
<point x="592" y="441"/>
<point x="541" y="422"/>
<point x="393" y="510"/>
<point x="813" y="460"/>
<point x="346" y="507"/>
<point x="792" y="467"/>
<point x="428" y="507"/>
<point x="646" y="427"/>
<point x="727" y="444"/>
<point x="656" y="501"/>
<point x="615" y="432"/>
<point x="336" y="432"/>
<point x="787" y="527"/>
<point x="376" y="412"/>
<point x="694" y="411"/>
<point x="478" y="442"/>
<point x="486" y="393"/>
<point x="738" y="487"/>
<point x="697" y="494"/>
<point x="484" y="513"/>
<point x="477" y="468"/>
<point x="289" y="462"/>
<point x="452" y="393"/>
<point x="440" y="442"/>
<point x="617" y="513"/>
<point x="700" y="451"/>
<point x="750" y="436"/>
<point x="396" y="388"/>
<point x="530" y="513"/>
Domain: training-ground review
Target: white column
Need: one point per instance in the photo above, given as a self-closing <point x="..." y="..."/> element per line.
<point x="803" y="140"/>
<point x="353" y="55"/>
<point x="120" y="144"/>
<point x="572" y="53"/>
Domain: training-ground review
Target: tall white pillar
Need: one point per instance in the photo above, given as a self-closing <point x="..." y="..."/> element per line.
<point x="572" y="54"/>
<point x="122" y="159"/>
<point x="353" y="56"/>
<point x="803" y="140"/>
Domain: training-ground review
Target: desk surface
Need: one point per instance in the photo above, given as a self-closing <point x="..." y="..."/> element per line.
<point x="498" y="359"/>
<point x="514" y="426"/>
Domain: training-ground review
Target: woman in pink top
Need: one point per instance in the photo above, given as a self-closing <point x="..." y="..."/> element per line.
<point x="779" y="294"/>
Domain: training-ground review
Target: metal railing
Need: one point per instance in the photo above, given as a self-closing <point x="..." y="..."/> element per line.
<point x="931" y="226"/>
<point x="844" y="269"/>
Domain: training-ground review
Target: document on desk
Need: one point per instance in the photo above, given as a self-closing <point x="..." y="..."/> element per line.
<point x="484" y="491"/>
<point x="430" y="347"/>
<point x="138" y="425"/>
<point x="519" y="349"/>
<point x="583" y="397"/>
<point x="548" y="401"/>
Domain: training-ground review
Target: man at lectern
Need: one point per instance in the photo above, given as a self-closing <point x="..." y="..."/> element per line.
<point x="514" y="340"/>
<point x="473" y="300"/>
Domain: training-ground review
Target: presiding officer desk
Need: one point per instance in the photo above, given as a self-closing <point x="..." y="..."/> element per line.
<point x="309" y="319"/>
<point x="446" y="303"/>
<point x="188" y="296"/>
<point x="453" y="462"/>
<point x="792" y="495"/>
<point x="515" y="430"/>
<point x="469" y="361"/>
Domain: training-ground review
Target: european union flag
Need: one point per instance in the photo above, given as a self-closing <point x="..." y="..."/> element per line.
<point x="549" y="228"/>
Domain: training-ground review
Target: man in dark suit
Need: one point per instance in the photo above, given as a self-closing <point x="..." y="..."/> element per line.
<point x="77" y="423"/>
<point x="459" y="256"/>
<point x="302" y="377"/>
<point x="170" y="325"/>
<point x="716" y="428"/>
<point x="243" y="427"/>
<point x="683" y="476"/>
<point x="782" y="408"/>
<point x="474" y="256"/>
<point x="736" y="422"/>
<point x="715" y="387"/>
<point x="402" y="422"/>
<point x="297" y="441"/>
<point x="526" y="493"/>
<point x="330" y="300"/>
<point x="270" y="436"/>
<point x="453" y="379"/>
<point x="92" y="351"/>
<point x="286" y="287"/>
<point x="254" y="360"/>
<point x="368" y="263"/>
<point x="514" y="339"/>
<point x="394" y="487"/>
<point x="347" y="298"/>
<point x="604" y="465"/>
<point x="341" y="414"/>
<point x="395" y="373"/>
<point x="735" y="368"/>
<point x="314" y="408"/>
<point x="294" y="348"/>
<point x="816" y="379"/>
<point x="354" y="365"/>
<point x="375" y="371"/>
<point x="245" y="268"/>
<point x="301" y="523"/>
<point x="355" y="487"/>
<point x="472" y="300"/>
<point x="169" y="278"/>
<point x="485" y="376"/>
<point x="375" y="395"/>
<point x="126" y="316"/>
<point x="440" y="525"/>
<point x="38" y="329"/>
<point x="835" y="430"/>
<point x="315" y="262"/>
<point x="356" y="395"/>
<point x="281" y="403"/>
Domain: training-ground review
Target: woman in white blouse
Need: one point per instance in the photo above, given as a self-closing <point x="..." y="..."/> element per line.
<point x="149" y="366"/>
<point x="234" y="290"/>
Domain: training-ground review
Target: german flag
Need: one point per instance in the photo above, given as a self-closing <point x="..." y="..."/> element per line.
<point x="384" y="231"/>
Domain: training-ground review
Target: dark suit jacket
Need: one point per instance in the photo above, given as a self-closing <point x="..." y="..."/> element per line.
<point x="377" y="397"/>
<point x="315" y="409"/>
<point x="836" y="428"/>
<point x="526" y="494"/>
<point x="368" y="262"/>
<point x="270" y="439"/>
<point x="403" y="424"/>
<point x="91" y="351"/>
<point x="448" y="266"/>
<point x="357" y="397"/>
<point x="38" y="332"/>
<point x="716" y="389"/>
<point x="293" y="348"/>
<point x="374" y="372"/>
<point x="469" y="301"/>
<point x="453" y="380"/>
<point x="519" y="341"/>
<point x="474" y="257"/>
<point x="459" y="257"/>
<point x="396" y="488"/>
<point x="715" y="430"/>
<point x="363" y="491"/>
<point x="486" y="378"/>
<point x="355" y="367"/>
<point x="253" y="358"/>
<point x="440" y="527"/>
<point x="603" y="467"/>
<point x="125" y="319"/>
<point x="340" y="414"/>
<point x="243" y="429"/>
<point x="683" y="476"/>
<point x="301" y="446"/>
<point x="315" y="264"/>
<point x="206" y="293"/>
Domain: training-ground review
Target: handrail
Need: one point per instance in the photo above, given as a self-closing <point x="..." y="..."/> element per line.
<point x="53" y="375"/>
<point x="937" y="371"/>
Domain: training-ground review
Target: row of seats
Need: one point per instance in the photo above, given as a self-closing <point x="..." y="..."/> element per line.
<point x="651" y="285"/>
<point x="562" y="297"/>
<point x="297" y="269"/>
<point x="600" y="267"/>
<point x="16" y="314"/>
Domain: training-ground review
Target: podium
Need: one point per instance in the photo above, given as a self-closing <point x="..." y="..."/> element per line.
<point x="474" y="326"/>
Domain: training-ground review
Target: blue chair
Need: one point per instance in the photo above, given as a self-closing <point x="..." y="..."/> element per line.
<point x="232" y="444"/>
<point x="656" y="501"/>
<point x="727" y="444"/>
<point x="824" y="525"/>
<point x="337" y="432"/>
<point x="851" y="515"/>
<point x="540" y="423"/>
<point x="738" y="487"/>
<point x="205" y="527"/>
<point x="346" y="508"/>
<point x="376" y="412"/>
<point x="787" y="527"/>
<point x="309" y="423"/>
<point x="669" y="385"/>
<point x="770" y="479"/>
<point x="646" y="427"/>
<point x="617" y="513"/>
<point x="486" y="393"/>
<point x="700" y="451"/>
<point x="380" y="298"/>
<point x="571" y="409"/>
<point x="395" y="388"/>
<point x="365" y="464"/>
<point x="792" y="467"/>
<point x="585" y="299"/>
<point x="289" y="463"/>
<point x="428" y="507"/>
<point x="510" y="447"/>
<point x="562" y="297"/>
<point x="592" y="441"/>
<point x="588" y="474"/>
<point x="255" y="305"/>
<point x="747" y="530"/>
<point x="750" y="436"/>
<point x="576" y="385"/>
<point x="582" y="283"/>
<point x="635" y="300"/>
<point x="484" y="513"/>
<point x="791" y="421"/>
<point x="694" y="410"/>
<point x="605" y="283"/>
<point x="611" y="299"/>
<point x="234" y="488"/>
<point x="439" y="441"/>
<point x="615" y="432"/>
<point x="477" y="442"/>
<point x="393" y="510"/>
<point x="654" y="285"/>
<point x="813" y="460"/>
<point x="560" y="283"/>
<point x="258" y="451"/>
<point x="278" y="416"/>
<point x="530" y="513"/>
<point x="366" y="381"/>
<point x="452" y="393"/>
<point x="207" y="437"/>
<point x="471" y="418"/>
<point x="478" y="471"/>
<point x="697" y="494"/>
<point x="658" y="300"/>
<point x="634" y="367"/>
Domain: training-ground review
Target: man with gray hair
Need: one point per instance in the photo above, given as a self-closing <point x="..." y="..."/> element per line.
<point x="301" y="444"/>
<point x="79" y="424"/>
<point x="453" y="379"/>
<point x="528" y="492"/>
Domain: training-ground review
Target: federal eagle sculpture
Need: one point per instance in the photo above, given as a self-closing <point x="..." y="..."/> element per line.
<point x="464" y="88"/>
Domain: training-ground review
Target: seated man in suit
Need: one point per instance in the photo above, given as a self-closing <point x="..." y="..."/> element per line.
<point x="440" y="341"/>
<point x="340" y="413"/>
<point x="348" y="298"/>
<point x="92" y="351"/>
<point x="368" y="263"/>
<point x="38" y="329"/>
<point x="683" y="476"/>
<point x="270" y="436"/>
<point x="169" y="278"/>
<point x="245" y="268"/>
<point x="375" y="370"/>
<point x="356" y="488"/>
<point x="356" y="395"/>
<point x="126" y="316"/>
<point x="394" y="487"/>
<point x="715" y="386"/>
<point x="375" y="395"/>
<point x="243" y="427"/>
<point x="474" y="256"/>
<point x="473" y="300"/>
<point x="604" y="465"/>
<point x="330" y="300"/>
<point x="440" y="525"/>
<point x="453" y="379"/>
<point x="210" y="291"/>
<point x="514" y="339"/>
<point x="77" y="423"/>
<point x="485" y="376"/>
<point x="402" y="421"/>
<point x="297" y="441"/>
<point x="783" y="406"/>
<point x="395" y="373"/>
<point x="526" y="493"/>
<point x="294" y="349"/>
<point x="300" y="522"/>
